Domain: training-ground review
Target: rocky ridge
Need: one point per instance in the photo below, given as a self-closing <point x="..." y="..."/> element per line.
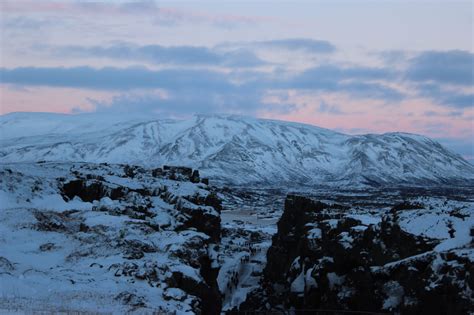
<point x="326" y="257"/>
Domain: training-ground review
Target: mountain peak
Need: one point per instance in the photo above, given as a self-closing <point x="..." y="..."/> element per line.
<point x="233" y="148"/>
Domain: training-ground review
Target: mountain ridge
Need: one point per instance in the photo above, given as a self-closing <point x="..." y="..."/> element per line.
<point x="234" y="149"/>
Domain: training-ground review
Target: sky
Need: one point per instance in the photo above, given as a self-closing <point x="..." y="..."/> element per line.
<point x="351" y="66"/>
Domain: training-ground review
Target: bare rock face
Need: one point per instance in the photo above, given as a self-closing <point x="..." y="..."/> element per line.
<point x="323" y="258"/>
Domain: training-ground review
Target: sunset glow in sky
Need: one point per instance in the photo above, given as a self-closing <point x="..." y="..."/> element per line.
<point x="352" y="66"/>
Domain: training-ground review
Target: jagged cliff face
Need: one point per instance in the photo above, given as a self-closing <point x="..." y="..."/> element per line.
<point x="234" y="149"/>
<point x="412" y="259"/>
<point x="107" y="237"/>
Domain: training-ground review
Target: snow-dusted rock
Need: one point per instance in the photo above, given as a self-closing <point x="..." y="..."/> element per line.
<point x="415" y="258"/>
<point x="108" y="238"/>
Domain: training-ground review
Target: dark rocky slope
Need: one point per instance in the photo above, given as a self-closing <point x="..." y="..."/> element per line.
<point x="324" y="258"/>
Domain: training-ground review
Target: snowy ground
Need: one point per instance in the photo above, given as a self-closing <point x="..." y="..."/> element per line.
<point x="87" y="269"/>
<point x="98" y="256"/>
<point x="246" y="240"/>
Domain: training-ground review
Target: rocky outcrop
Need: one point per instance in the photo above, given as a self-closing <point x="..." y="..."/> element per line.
<point x="66" y="221"/>
<point x="90" y="189"/>
<point x="180" y="173"/>
<point x="142" y="228"/>
<point x="324" y="258"/>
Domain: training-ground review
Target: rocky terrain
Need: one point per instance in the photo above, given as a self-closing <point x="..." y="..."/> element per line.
<point x="235" y="150"/>
<point x="415" y="257"/>
<point x="107" y="237"/>
<point x="102" y="237"/>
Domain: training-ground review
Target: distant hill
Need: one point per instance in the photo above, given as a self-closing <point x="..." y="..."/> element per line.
<point x="234" y="149"/>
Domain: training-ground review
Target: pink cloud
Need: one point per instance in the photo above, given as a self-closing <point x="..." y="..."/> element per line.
<point x="373" y="116"/>
<point x="45" y="99"/>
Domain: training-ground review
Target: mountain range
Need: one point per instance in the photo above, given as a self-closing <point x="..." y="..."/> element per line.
<point x="234" y="149"/>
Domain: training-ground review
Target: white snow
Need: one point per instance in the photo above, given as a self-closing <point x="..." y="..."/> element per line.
<point x="238" y="149"/>
<point x="436" y="222"/>
<point x="366" y="219"/>
<point x="314" y="233"/>
<point x="335" y="280"/>
<point x="309" y="280"/>
<point x="345" y="240"/>
<point x="298" y="285"/>
<point x="394" y="292"/>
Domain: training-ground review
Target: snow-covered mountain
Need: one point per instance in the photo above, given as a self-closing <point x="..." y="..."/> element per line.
<point x="234" y="149"/>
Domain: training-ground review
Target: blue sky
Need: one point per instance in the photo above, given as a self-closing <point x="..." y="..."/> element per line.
<point x="352" y="66"/>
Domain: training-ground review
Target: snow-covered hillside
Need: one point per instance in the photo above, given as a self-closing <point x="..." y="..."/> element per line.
<point x="77" y="237"/>
<point x="233" y="149"/>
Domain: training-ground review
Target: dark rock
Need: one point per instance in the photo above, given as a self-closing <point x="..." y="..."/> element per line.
<point x="178" y="172"/>
<point x="130" y="171"/>
<point x="195" y="177"/>
<point x="290" y="240"/>
<point x="358" y="269"/>
<point x="131" y="299"/>
<point x="83" y="228"/>
<point x="210" y="299"/>
<point x="213" y="200"/>
<point x="133" y="253"/>
<point x="88" y="193"/>
<point x="157" y="172"/>
<point x="47" y="247"/>
<point x="90" y="190"/>
<point x="58" y="221"/>
<point x="202" y="221"/>
<point x="135" y="249"/>
<point x="407" y="206"/>
<point x="6" y="265"/>
<point x="147" y="248"/>
<point x="96" y="177"/>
